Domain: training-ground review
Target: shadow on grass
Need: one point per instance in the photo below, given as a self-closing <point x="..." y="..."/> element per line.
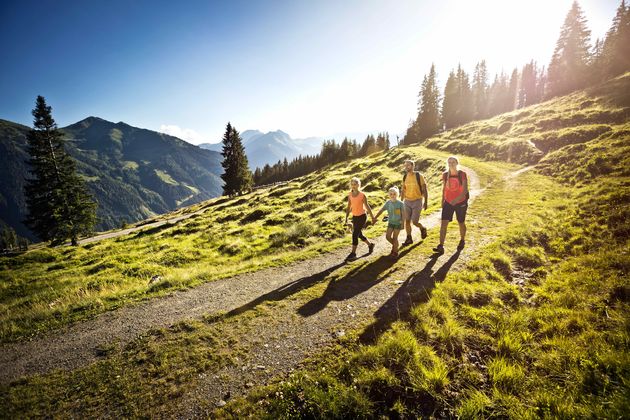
<point x="415" y="290"/>
<point x="281" y="292"/>
<point x="352" y="284"/>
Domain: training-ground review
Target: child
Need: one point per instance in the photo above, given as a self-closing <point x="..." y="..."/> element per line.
<point x="395" y="215"/>
<point x="357" y="203"/>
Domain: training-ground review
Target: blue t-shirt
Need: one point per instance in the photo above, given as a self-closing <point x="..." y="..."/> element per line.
<point x="394" y="211"/>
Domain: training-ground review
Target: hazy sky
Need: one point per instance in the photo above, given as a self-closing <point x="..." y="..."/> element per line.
<point x="310" y="68"/>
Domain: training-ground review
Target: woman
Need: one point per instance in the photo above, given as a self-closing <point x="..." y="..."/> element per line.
<point x="358" y="204"/>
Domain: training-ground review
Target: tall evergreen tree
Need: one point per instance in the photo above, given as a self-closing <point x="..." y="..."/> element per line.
<point x="237" y="177"/>
<point x="616" y="47"/>
<point x="513" y="88"/>
<point x="528" y="92"/>
<point x="450" y="103"/>
<point x="428" y="121"/>
<point x="465" y="99"/>
<point x="58" y="202"/>
<point x="480" y="91"/>
<point x="568" y="69"/>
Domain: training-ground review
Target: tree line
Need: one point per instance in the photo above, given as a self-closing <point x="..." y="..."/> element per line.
<point x="574" y="65"/>
<point x="331" y="152"/>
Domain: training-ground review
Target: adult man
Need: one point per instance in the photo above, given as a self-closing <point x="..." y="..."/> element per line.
<point x="454" y="200"/>
<point x="415" y="196"/>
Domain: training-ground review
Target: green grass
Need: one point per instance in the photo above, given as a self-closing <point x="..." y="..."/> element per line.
<point x="527" y="135"/>
<point x="47" y="288"/>
<point x="484" y="346"/>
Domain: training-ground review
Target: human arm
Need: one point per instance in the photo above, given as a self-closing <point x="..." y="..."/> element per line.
<point x="425" y="191"/>
<point x="375" y="218"/>
<point x="367" y="206"/>
<point x="347" y="210"/>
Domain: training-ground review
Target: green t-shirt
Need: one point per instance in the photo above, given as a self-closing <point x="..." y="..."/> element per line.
<point x="394" y="211"/>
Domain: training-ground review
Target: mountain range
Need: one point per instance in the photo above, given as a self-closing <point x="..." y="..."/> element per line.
<point x="268" y="148"/>
<point x="133" y="173"/>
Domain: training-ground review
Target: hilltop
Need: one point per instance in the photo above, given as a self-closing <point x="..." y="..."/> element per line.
<point x="133" y="173"/>
<point x="528" y="321"/>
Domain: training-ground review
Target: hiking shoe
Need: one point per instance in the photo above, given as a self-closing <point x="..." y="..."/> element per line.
<point x="351" y="257"/>
<point x="408" y="241"/>
<point x="423" y="232"/>
<point x="439" y="249"/>
<point x="461" y="245"/>
<point x="370" y="248"/>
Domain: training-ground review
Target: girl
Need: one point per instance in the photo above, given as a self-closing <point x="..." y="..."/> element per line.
<point x="395" y="215"/>
<point x="357" y="203"/>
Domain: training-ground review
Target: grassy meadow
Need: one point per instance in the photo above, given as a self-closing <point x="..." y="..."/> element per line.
<point x="535" y="325"/>
<point x="49" y="287"/>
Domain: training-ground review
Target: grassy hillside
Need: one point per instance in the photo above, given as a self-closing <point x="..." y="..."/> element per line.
<point x="132" y="173"/>
<point x="528" y="134"/>
<point x="537" y="324"/>
<point x="49" y="287"/>
<point x="534" y="325"/>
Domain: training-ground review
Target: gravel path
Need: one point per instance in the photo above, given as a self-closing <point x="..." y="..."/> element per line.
<point x="78" y="345"/>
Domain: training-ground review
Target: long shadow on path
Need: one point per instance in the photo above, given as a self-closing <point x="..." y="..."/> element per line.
<point x="352" y="284"/>
<point x="284" y="291"/>
<point x="416" y="289"/>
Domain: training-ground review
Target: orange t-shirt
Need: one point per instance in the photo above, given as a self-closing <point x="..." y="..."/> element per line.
<point x="356" y="204"/>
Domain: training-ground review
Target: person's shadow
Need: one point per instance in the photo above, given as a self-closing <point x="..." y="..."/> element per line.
<point x="280" y="293"/>
<point x="415" y="290"/>
<point x="354" y="283"/>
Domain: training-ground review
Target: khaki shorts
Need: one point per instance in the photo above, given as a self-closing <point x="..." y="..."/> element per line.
<point x="413" y="209"/>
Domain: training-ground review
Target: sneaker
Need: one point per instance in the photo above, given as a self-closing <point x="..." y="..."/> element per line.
<point x="408" y="241"/>
<point x="351" y="257"/>
<point x="461" y="245"/>
<point x="423" y="232"/>
<point x="439" y="249"/>
<point x="370" y="248"/>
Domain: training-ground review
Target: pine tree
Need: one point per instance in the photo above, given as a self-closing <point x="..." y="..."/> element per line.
<point x="568" y="69"/>
<point x="58" y="202"/>
<point x="465" y="99"/>
<point x="480" y="91"/>
<point x="429" y="117"/>
<point x="513" y="88"/>
<point x="237" y="177"/>
<point x="450" y="103"/>
<point x="528" y="93"/>
<point x="616" y="47"/>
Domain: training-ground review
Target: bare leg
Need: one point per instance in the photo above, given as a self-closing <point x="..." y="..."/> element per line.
<point x="388" y="236"/>
<point x="443" y="231"/>
<point x="408" y="228"/>
<point x="462" y="231"/>
<point x="395" y="240"/>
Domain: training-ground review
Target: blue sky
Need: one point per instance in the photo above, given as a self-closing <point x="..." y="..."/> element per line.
<point x="310" y="68"/>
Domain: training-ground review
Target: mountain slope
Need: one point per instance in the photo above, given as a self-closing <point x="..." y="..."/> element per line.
<point x="133" y="173"/>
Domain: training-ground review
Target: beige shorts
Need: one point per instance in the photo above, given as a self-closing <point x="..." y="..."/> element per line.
<point x="413" y="209"/>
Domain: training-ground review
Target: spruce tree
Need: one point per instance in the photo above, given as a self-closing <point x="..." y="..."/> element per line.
<point x="568" y="69"/>
<point x="616" y="47"/>
<point x="480" y="91"/>
<point x="59" y="205"/>
<point x="465" y="99"/>
<point x="450" y="103"/>
<point x="428" y="121"/>
<point x="528" y="93"/>
<point x="237" y="177"/>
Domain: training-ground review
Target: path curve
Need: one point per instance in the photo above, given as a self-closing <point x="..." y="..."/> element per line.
<point x="77" y="345"/>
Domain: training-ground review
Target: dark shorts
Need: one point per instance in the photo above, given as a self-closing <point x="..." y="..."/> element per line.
<point x="459" y="210"/>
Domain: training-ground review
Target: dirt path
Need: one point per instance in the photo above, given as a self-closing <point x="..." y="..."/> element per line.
<point x="80" y="344"/>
